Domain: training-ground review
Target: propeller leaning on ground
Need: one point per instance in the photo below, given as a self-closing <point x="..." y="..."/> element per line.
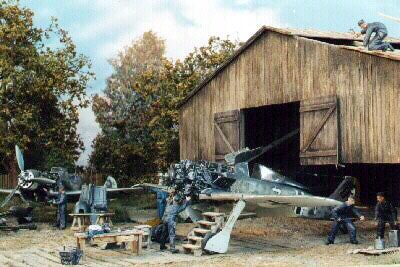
<point x="21" y="165"/>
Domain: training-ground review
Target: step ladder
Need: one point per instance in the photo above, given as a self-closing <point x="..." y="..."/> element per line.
<point x="211" y="223"/>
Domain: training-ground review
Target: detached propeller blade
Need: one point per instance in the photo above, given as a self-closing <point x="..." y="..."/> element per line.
<point x="20" y="158"/>
<point x="8" y="198"/>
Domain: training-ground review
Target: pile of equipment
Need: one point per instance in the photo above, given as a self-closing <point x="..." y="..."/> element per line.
<point x="190" y="178"/>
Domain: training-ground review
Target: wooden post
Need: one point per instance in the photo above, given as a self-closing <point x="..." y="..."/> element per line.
<point x="135" y="246"/>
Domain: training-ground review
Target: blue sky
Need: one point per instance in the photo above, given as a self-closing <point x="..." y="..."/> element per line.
<point x="101" y="28"/>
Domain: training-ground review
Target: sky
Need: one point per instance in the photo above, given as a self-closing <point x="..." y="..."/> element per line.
<point x="101" y="28"/>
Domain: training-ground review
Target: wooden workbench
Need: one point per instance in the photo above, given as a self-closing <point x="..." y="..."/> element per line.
<point x="131" y="238"/>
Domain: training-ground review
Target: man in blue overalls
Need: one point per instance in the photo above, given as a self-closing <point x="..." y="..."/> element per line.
<point x="174" y="207"/>
<point x="343" y="215"/>
<point x="61" y="203"/>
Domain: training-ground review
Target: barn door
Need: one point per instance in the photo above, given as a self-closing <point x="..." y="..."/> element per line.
<point x="319" y="133"/>
<point x="228" y="133"/>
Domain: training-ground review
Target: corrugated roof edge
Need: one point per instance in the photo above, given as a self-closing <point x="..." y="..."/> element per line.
<point x="300" y="33"/>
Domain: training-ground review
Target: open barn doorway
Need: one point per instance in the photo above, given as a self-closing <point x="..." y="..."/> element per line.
<point x="265" y="124"/>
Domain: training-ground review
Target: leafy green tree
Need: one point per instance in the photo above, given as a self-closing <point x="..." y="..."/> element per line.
<point x="123" y="149"/>
<point x="138" y="111"/>
<point x="177" y="80"/>
<point x="41" y="89"/>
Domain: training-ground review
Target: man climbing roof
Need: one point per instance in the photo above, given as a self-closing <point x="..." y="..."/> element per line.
<point x="376" y="43"/>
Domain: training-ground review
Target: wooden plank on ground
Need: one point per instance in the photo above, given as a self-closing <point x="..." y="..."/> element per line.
<point x="372" y="251"/>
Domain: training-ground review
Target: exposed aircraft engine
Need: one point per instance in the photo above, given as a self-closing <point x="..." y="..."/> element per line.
<point x="190" y="178"/>
<point x="25" y="179"/>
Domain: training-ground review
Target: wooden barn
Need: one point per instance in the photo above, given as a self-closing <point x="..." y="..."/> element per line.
<point x="344" y="100"/>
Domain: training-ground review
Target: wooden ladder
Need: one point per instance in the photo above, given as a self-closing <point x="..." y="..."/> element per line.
<point x="211" y="223"/>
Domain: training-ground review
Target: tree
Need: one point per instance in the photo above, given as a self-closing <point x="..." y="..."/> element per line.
<point x="177" y="80"/>
<point x="138" y="111"/>
<point x="120" y="110"/>
<point x="41" y="90"/>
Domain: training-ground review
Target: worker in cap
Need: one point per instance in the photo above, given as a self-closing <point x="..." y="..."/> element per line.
<point x="343" y="215"/>
<point x="380" y="32"/>
<point x="61" y="203"/>
<point x="384" y="213"/>
<point x="175" y="205"/>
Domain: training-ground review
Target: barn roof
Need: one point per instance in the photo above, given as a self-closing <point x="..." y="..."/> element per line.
<point x="306" y="33"/>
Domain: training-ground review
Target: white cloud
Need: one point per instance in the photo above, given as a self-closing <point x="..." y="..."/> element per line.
<point x="183" y="24"/>
<point x="88" y="128"/>
<point x="242" y="2"/>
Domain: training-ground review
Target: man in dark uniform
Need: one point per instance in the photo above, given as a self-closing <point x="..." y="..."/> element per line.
<point x="174" y="206"/>
<point x="343" y="214"/>
<point x="384" y="213"/>
<point x="380" y="31"/>
<point x="61" y="203"/>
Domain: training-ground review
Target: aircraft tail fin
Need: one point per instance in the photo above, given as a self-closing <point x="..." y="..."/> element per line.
<point x="110" y="182"/>
<point x="345" y="189"/>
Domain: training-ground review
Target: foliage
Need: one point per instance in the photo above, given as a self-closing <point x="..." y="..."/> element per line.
<point x="124" y="147"/>
<point x="42" y="86"/>
<point x="138" y="111"/>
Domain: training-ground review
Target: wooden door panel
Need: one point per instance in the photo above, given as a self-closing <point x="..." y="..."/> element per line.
<point x="228" y="133"/>
<point x="319" y="133"/>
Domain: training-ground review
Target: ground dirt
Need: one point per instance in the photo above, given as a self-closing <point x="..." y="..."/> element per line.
<point x="255" y="242"/>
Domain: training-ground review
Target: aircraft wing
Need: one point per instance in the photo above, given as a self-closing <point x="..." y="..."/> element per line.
<point x="272" y="201"/>
<point x="111" y="192"/>
<point x="114" y="192"/>
<point x="153" y="187"/>
<point x="8" y="191"/>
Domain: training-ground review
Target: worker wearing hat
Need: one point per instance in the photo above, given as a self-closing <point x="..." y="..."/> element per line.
<point x="376" y="43"/>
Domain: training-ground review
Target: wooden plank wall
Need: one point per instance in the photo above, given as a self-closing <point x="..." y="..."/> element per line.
<point x="279" y="68"/>
<point x="7" y="182"/>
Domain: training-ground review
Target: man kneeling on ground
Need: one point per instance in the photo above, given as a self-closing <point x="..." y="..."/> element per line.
<point x="343" y="215"/>
<point x="384" y="213"/>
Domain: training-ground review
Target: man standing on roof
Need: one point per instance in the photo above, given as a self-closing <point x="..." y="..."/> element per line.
<point x="376" y="43"/>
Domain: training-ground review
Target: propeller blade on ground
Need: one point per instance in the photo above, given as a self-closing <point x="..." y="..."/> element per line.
<point x="8" y="198"/>
<point x="20" y="158"/>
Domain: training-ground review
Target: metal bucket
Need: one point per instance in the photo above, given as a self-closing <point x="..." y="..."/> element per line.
<point x="379" y="243"/>
<point x="393" y="238"/>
